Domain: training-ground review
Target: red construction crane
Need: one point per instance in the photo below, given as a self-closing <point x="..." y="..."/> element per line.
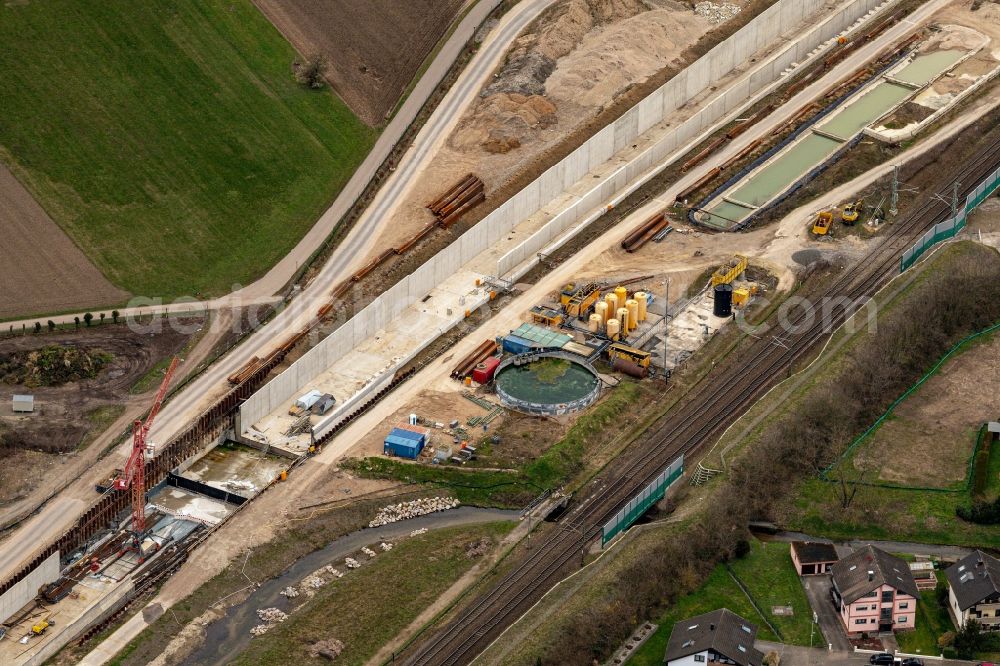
<point x="134" y="475"/>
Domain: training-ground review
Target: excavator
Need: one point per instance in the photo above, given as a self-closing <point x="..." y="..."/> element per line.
<point x="852" y="212"/>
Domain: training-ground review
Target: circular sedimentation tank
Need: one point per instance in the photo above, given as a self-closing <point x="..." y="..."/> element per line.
<point x="549" y="384"/>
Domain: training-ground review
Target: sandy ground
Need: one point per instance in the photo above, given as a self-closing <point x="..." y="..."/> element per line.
<point x="41" y="270"/>
<point x="930" y="437"/>
<point x="562" y="72"/>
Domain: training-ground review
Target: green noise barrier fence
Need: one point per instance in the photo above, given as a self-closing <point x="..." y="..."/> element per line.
<point x="639" y="504"/>
<point x="950" y="227"/>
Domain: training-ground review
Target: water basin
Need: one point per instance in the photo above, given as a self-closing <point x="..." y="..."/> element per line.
<point x="874" y="104"/>
<point x="926" y="67"/>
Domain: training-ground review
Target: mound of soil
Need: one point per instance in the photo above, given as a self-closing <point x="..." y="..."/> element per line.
<point x="52" y="365"/>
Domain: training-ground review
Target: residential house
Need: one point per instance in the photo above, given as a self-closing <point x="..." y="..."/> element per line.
<point x="974" y="590"/>
<point x="874" y="591"/>
<point x="721" y="637"/>
<point x="813" y="558"/>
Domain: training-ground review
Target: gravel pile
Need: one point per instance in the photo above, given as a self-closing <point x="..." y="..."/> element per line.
<point x="313" y="581"/>
<point x="270" y="617"/>
<point x="386" y="547"/>
<point x="716" y="12"/>
<point x="351" y="563"/>
<point x="290" y="592"/>
<point x="418" y="507"/>
<point x="418" y="532"/>
<point x="368" y="551"/>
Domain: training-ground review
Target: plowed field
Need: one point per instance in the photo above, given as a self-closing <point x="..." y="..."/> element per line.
<point x="373" y="47"/>
<point x="41" y="270"/>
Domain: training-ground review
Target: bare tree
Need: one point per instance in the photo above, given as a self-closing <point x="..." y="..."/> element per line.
<point x="311" y="72"/>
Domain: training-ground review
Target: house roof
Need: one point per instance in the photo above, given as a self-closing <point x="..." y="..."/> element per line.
<point x="405" y="434"/>
<point x="813" y="552"/>
<point x="974" y="578"/>
<point x="721" y="630"/>
<point x="868" y="569"/>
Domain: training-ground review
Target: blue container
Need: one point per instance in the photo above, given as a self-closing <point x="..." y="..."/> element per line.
<point x="513" y="344"/>
<point x="404" y="444"/>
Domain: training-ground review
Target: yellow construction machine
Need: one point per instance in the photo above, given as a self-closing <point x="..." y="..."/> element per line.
<point x="822" y="224"/>
<point x="852" y="212"/>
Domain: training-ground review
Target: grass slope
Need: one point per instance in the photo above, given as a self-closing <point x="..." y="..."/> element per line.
<point x="768" y="575"/>
<point x="169" y="140"/>
<point x="369" y="607"/>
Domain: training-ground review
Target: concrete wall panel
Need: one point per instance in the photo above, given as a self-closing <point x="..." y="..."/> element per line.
<point x="649" y="111"/>
<point x="26" y="589"/>
<point x="778" y="19"/>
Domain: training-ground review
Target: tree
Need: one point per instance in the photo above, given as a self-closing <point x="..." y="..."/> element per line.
<point x="310" y="73"/>
<point x="87" y="318"/>
<point x="114" y="315"/>
<point x="969" y="640"/>
<point x="103" y="315"/>
<point x="38" y="327"/>
<point x="52" y="326"/>
<point x="76" y="320"/>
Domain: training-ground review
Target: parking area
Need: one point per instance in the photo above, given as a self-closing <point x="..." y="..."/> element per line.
<point x="818" y="592"/>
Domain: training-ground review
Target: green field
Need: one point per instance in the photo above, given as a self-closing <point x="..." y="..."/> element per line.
<point x="768" y="575"/>
<point x="169" y="139"/>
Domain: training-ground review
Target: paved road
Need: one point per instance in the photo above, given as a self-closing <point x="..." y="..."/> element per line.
<point x="211" y="385"/>
<point x="818" y="591"/>
<point x="926" y="549"/>
<point x="793" y="655"/>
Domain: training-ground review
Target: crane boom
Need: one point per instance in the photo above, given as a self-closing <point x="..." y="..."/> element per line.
<point x="133" y="476"/>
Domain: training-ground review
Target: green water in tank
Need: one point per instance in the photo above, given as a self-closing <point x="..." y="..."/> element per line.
<point x="547" y="381"/>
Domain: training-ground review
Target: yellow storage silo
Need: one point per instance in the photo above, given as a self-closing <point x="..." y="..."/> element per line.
<point x="623" y="318"/>
<point x="601" y="308"/>
<point x="612" y="302"/>
<point x="621" y="293"/>
<point x="595" y="323"/>
<point x="613" y="327"/>
<point x="633" y="312"/>
<point x="641" y="298"/>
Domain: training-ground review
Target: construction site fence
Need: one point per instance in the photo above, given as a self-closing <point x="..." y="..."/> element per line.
<point x="639" y="504"/>
<point x="950" y="227"/>
<point x="601" y="194"/>
<point x="860" y="439"/>
<point x="576" y="168"/>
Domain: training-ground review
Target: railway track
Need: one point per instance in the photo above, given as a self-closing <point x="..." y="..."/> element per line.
<point x="724" y="395"/>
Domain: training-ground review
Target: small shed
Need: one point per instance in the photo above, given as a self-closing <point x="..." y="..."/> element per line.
<point x="24" y="404"/>
<point x="513" y="344"/>
<point x="813" y="558"/>
<point x="404" y="443"/>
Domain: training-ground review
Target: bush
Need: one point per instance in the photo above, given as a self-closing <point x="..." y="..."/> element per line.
<point x="981" y="513"/>
<point x="310" y="73"/>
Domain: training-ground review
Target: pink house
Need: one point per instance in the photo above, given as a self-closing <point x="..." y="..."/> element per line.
<point x="874" y="591"/>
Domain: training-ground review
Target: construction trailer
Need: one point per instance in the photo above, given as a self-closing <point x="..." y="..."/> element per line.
<point x="404" y="443"/>
<point x="578" y="300"/>
<point x="626" y="353"/>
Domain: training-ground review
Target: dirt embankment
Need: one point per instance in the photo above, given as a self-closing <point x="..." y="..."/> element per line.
<point x="75" y="403"/>
<point x="579" y="65"/>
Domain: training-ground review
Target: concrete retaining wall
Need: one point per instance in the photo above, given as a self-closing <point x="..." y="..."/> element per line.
<point x="24" y="591"/>
<point x="705" y="72"/>
<point x="698" y="77"/>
